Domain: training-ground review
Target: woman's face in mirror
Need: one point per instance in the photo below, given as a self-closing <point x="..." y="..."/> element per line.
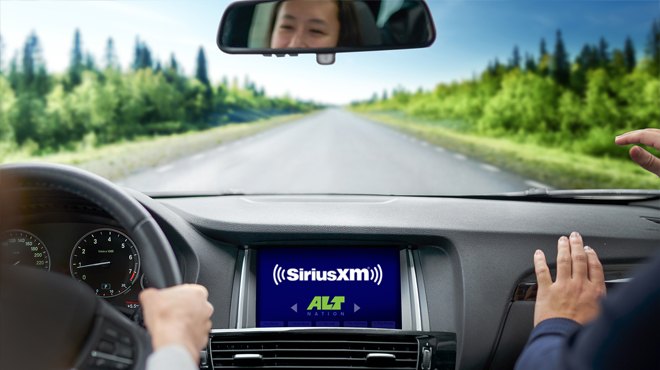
<point x="306" y="24"/>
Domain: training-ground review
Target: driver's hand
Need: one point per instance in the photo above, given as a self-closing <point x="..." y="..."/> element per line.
<point x="180" y="315"/>
<point x="650" y="137"/>
<point x="579" y="286"/>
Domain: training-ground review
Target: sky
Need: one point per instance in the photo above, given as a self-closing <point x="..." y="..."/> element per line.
<point x="470" y="33"/>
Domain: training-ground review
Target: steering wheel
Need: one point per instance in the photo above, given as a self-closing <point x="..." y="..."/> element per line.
<point x="50" y="321"/>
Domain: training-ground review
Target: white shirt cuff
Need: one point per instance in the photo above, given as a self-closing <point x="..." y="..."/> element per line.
<point x="171" y="357"/>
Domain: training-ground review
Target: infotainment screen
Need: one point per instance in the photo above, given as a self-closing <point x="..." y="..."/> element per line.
<point x="328" y="287"/>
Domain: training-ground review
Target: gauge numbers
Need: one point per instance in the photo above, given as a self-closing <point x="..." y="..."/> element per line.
<point x="22" y="248"/>
<point x="107" y="260"/>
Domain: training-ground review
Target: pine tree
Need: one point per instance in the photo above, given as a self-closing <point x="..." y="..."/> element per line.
<point x="173" y="65"/>
<point x="588" y="58"/>
<point x="13" y="73"/>
<point x="110" y="56"/>
<point x="603" y="52"/>
<point x="142" y="56"/>
<point x="76" y="66"/>
<point x="653" y="48"/>
<point x="544" y="59"/>
<point x="33" y="69"/>
<point x="201" y="73"/>
<point x="629" y="55"/>
<point x="561" y="69"/>
<point x="90" y="63"/>
<point x="530" y="63"/>
<point x="543" y="50"/>
<point x="515" y="58"/>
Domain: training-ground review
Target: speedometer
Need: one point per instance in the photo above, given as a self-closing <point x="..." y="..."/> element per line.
<point x="107" y="260"/>
<point x="22" y="248"/>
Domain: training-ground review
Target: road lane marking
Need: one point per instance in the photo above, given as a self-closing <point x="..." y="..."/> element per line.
<point x="164" y="168"/>
<point x="536" y="184"/>
<point x="197" y="157"/>
<point x="460" y="156"/>
<point x="424" y="143"/>
<point x="439" y="149"/>
<point x="490" y="168"/>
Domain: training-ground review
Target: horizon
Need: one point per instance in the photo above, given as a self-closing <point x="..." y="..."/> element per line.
<point x="371" y="70"/>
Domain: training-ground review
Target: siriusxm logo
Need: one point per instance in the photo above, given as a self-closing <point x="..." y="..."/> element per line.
<point x="373" y="274"/>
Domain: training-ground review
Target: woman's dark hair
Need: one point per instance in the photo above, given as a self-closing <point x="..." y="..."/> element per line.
<point x="349" y="29"/>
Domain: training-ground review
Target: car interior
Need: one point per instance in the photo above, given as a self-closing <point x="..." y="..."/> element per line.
<point x="298" y="281"/>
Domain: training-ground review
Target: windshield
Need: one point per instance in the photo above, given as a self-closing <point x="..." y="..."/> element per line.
<point x="512" y="95"/>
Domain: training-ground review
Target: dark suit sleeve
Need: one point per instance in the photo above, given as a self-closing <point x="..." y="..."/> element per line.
<point x="547" y="344"/>
<point x="626" y="334"/>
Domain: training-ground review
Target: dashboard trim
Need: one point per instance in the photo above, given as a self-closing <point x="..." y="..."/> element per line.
<point x="416" y="309"/>
<point x="421" y="292"/>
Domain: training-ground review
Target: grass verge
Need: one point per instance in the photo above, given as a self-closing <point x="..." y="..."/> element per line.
<point x="118" y="160"/>
<point x="555" y="167"/>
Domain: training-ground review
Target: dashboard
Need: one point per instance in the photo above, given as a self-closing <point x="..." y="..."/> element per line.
<point x="395" y="282"/>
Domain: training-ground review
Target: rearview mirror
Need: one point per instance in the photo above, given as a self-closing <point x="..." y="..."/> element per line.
<point x="324" y="27"/>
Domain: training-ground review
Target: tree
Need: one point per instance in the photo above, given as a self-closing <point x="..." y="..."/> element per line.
<point x="173" y="65"/>
<point x="600" y="110"/>
<point x="33" y="75"/>
<point x="201" y="74"/>
<point x="13" y="74"/>
<point x="110" y="55"/>
<point x="653" y="48"/>
<point x="76" y="65"/>
<point x="543" y="50"/>
<point x="142" y="56"/>
<point x="90" y="64"/>
<point x="560" y="67"/>
<point x="618" y="65"/>
<point x="629" y="55"/>
<point x="530" y="64"/>
<point x="603" y="53"/>
<point x="7" y="99"/>
<point x="588" y="58"/>
<point x="2" y="54"/>
<point x="544" y="59"/>
<point x="525" y="104"/>
<point x="515" y="58"/>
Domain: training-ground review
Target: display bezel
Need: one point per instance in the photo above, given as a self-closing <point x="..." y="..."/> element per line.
<point x="244" y="294"/>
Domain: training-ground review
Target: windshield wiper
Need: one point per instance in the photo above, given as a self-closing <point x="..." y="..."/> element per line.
<point x="597" y="196"/>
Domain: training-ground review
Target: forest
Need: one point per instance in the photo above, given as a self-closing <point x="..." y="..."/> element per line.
<point x="93" y="103"/>
<point x="579" y="104"/>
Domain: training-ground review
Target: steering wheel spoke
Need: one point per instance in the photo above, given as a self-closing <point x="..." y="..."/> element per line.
<point x="114" y="342"/>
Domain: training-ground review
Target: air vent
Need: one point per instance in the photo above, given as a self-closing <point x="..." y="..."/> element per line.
<point x="323" y="350"/>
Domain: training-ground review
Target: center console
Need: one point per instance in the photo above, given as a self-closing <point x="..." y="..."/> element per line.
<point x="330" y="306"/>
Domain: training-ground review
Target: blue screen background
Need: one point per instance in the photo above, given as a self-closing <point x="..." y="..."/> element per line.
<point x="379" y="305"/>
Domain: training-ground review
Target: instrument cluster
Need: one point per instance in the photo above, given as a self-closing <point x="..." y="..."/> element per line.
<point x="101" y="256"/>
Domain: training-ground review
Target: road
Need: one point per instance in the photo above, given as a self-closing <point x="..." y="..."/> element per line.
<point x="333" y="151"/>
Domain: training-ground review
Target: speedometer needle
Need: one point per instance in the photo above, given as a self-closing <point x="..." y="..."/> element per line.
<point x="94" y="264"/>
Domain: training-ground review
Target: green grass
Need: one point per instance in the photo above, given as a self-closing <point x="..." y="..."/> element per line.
<point x="116" y="161"/>
<point x="555" y="167"/>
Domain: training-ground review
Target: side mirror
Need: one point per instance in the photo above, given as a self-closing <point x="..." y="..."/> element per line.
<point x="324" y="27"/>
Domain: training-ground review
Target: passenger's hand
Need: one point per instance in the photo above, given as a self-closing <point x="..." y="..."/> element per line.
<point x="650" y="137"/>
<point x="178" y="316"/>
<point x="579" y="286"/>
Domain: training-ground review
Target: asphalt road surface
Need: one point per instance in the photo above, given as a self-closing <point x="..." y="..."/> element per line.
<point x="333" y="151"/>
